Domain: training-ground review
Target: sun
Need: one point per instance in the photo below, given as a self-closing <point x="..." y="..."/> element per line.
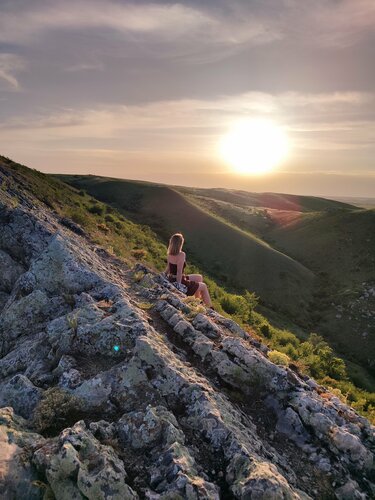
<point x="254" y="146"/>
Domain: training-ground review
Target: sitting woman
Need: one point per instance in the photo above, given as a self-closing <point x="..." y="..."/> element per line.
<point x="176" y="262"/>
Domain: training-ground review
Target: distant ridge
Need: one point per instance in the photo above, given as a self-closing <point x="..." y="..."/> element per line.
<point x="278" y="201"/>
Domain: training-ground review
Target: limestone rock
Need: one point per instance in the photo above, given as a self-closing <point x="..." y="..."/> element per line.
<point x="18" y="477"/>
<point x="78" y="466"/>
<point x="21" y="394"/>
<point x="9" y="272"/>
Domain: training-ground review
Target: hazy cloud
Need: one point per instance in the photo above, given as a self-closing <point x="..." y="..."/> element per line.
<point x="84" y="66"/>
<point x="166" y="21"/>
<point x="313" y="121"/>
<point x="10" y="64"/>
<point x="336" y="23"/>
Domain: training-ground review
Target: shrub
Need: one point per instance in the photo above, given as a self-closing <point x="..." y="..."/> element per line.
<point x="284" y="338"/>
<point x="109" y="218"/>
<point x="103" y="228"/>
<point x="139" y="253"/>
<point x="241" y="306"/>
<point x="56" y="410"/>
<point x="47" y="201"/>
<point x="72" y="320"/>
<point x="291" y="351"/>
<point x="96" y="209"/>
<point x="279" y="358"/>
<point x="265" y="330"/>
<point x="229" y="304"/>
<point x="323" y="362"/>
<point x="79" y="217"/>
<point x="138" y="276"/>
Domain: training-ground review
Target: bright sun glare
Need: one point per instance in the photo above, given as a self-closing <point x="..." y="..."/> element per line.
<point x="254" y="146"/>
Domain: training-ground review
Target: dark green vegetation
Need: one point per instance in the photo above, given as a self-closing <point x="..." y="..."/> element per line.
<point x="57" y="407"/>
<point x="311" y="261"/>
<point x="106" y="226"/>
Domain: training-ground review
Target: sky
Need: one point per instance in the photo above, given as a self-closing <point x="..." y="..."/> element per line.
<point x="143" y="90"/>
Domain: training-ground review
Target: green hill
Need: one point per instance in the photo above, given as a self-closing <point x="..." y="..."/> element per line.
<point x="341" y="247"/>
<point x="270" y="200"/>
<point x="337" y="242"/>
<point x="235" y="258"/>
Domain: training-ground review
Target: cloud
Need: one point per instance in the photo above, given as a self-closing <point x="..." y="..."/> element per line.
<point x="328" y="23"/>
<point x="84" y="66"/>
<point x="226" y="26"/>
<point x="314" y="122"/>
<point x="165" y="21"/>
<point x="10" y="64"/>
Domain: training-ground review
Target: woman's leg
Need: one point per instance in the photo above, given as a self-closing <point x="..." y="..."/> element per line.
<point x="203" y="293"/>
<point x="196" y="277"/>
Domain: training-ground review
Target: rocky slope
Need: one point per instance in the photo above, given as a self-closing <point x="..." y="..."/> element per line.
<point x="114" y="386"/>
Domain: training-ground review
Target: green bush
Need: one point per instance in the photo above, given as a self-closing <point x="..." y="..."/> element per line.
<point x="291" y="351"/>
<point x="139" y="253"/>
<point x="79" y="217"/>
<point x="241" y="306"/>
<point x="265" y="330"/>
<point x="56" y="410"/>
<point x="96" y="209"/>
<point x="230" y="304"/>
<point x="279" y="358"/>
<point x="109" y="218"/>
<point x="323" y="360"/>
<point x="284" y="338"/>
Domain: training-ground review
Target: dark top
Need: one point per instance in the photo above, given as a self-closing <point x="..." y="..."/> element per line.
<point x="192" y="286"/>
<point x="173" y="268"/>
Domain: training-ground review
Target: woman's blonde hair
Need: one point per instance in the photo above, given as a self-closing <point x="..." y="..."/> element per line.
<point x="175" y="244"/>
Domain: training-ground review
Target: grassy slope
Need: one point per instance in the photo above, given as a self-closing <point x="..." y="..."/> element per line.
<point x="342" y="246"/>
<point x="339" y="246"/>
<point x="104" y="226"/>
<point x="237" y="259"/>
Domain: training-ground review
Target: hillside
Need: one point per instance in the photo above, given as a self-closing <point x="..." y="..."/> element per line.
<point x="277" y="201"/>
<point x="113" y="385"/>
<point x="234" y="258"/>
<point x="339" y="247"/>
<point x="309" y="259"/>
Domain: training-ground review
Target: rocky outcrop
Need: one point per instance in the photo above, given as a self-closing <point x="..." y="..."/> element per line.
<point x="173" y="402"/>
<point x="77" y="465"/>
<point x="18" y="476"/>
